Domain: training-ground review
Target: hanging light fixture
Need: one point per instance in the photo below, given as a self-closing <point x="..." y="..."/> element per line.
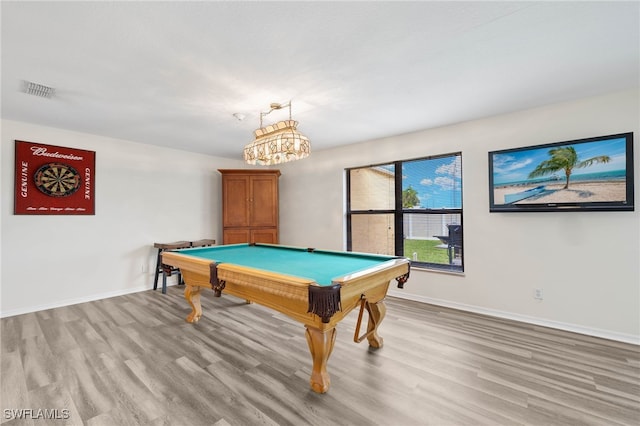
<point x="277" y="143"/>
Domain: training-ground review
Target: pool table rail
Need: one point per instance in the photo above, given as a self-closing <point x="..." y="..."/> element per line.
<point x="287" y="294"/>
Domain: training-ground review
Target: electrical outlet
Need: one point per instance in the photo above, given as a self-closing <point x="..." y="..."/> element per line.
<point x="537" y="293"/>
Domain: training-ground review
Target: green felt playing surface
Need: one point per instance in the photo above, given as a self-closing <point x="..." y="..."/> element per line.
<point x="320" y="266"/>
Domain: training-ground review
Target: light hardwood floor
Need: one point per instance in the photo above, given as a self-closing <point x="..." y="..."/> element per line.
<point x="133" y="360"/>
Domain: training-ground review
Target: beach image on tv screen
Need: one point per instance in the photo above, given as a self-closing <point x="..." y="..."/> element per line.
<point x="573" y="173"/>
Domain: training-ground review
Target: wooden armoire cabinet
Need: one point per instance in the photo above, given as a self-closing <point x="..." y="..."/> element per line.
<point x="249" y="206"/>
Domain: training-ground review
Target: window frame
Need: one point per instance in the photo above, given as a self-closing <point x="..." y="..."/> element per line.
<point x="399" y="212"/>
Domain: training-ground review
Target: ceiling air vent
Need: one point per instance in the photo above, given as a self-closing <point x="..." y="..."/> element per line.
<point x="31" y="88"/>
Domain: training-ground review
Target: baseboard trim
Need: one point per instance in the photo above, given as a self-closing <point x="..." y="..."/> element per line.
<point x="74" y="301"/>
<point x="594" y="332"/>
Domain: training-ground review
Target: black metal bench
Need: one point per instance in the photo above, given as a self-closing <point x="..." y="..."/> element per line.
<point x="167" y="270"/>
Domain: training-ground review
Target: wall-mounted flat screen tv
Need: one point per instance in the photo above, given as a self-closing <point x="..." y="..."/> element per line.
<point x="579" y="175"/>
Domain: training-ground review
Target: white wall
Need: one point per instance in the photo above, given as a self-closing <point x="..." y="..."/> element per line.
<point x="587" y="263"/>
<point x="144" y="194"/>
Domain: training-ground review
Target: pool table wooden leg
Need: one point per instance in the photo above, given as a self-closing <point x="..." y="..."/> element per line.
<point x="192" y="294"/>
<point x="320" y="344"/>
<point x="377" y="311"/>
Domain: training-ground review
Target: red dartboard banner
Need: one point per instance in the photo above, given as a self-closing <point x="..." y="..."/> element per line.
<point x="54" y="180"/>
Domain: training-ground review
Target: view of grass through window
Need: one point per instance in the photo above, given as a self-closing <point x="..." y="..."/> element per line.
<point x="415" y="213"/>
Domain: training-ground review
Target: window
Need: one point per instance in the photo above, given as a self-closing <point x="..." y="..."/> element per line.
<point x="410" y="208"/>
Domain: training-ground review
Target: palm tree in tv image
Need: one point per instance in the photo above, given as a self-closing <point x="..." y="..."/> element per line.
<point x="565" y="159"/>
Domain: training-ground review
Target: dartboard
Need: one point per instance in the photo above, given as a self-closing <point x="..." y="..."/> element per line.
<point x="57" y="179"/>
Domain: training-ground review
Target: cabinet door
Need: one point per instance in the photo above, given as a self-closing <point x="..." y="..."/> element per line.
<point x="264" y="201"/>
<point x="236" y="236"/>
<point x="235" y="190"/>
<point x="267" y="236"/>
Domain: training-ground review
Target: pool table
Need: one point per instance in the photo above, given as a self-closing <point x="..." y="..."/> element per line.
<point x="315" y="287"/>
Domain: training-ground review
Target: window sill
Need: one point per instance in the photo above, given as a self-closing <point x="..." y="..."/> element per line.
<point x="423" y="268"/>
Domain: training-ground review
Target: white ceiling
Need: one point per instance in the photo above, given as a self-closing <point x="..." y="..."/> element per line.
<point x="173" y="73"/>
